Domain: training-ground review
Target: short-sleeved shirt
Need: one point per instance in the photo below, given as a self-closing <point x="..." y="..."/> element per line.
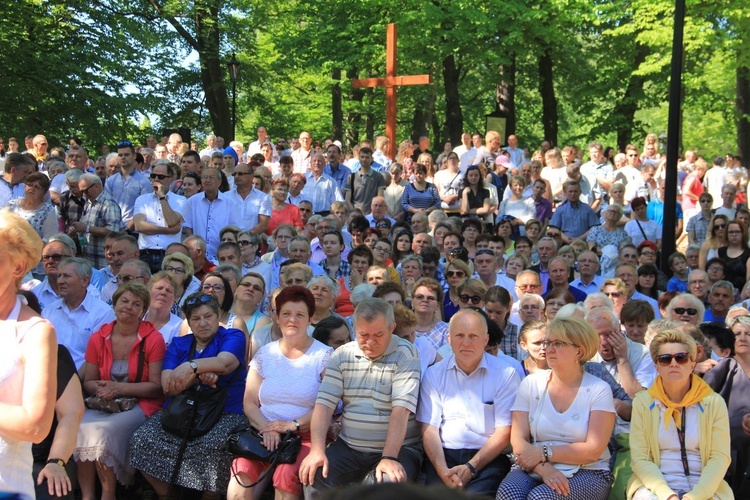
<point x="126" y="190"/>
<point x="699" y="224"/>
<point x="206" y="218"/>
<point x="370" y="388"/>
<point x="467" y="408"/>
<point x="226" y="340"/>
<point x="250" y="208"/>
<point x="570" y="426"/>
<point x="321" y="191"/>
<point x="364" y="187"/>
<point x="574" y="219"/>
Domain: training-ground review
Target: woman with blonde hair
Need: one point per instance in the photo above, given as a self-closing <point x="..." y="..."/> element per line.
<point x="562" y="421"/>
<point x="679" y="439"/>
<point x="617" y="291"/>
<point x="716" y="237"/>
<point x="28" y="360"/>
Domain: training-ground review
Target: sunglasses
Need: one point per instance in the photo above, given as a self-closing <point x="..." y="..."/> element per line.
<point x="682" y="310"/>
<point x="455" y="274"/>
<point x="475" y="299"/>
<point x="161" y="177"/>
<point x="666" y="359"/>
<point x="54" y="257"/>
<point x="719" y="226"/>
<point x="124" y="144"/>
<point x="127" y="278"/>
<point x="613" y="294"/>
<point x="485" y="251"/>
<point x="244" y="243"/>
<point x="200" y="299"/>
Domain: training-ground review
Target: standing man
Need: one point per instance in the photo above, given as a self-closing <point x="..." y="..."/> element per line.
<point x="542" y="205"/>
<point x="378" y="379"/>
<point x="210" y="146"/>
<point x="465" y="403"/>
<point x="128" y="184"/>
<point x="303" y="155"/>
<point x="157" y="217"/>
<point x="573" y="218"/>
<point x="517" y="157"/>
<point x="599" y="172"/>
<point x="254" y="147"/>
<point x="365" y="184"/>
<point x="210" y="211"/>
<point x="321" y="189"/>
<point x="335" y="168"/>
<point x="77" y="159"/>
<point x="465" y="145"/>
<point x="101" y="215"/>
<point x="17" y="167"/>
<point x="253" y="206"/>
<point x="715" y="179"/>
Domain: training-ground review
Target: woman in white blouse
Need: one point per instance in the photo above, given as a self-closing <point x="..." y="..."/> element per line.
<point x="562" y="421"/>
<point x="522" y="209"/>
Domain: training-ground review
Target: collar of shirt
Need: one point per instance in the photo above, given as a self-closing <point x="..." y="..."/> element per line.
<point x="392" y="346"/>
<point x="453" y="365"/>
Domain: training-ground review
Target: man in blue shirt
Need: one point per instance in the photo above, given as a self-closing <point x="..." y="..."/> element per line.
<point x="720" y="299"/>
<point x="335" y="168"/>
<point x="574" y="218"/>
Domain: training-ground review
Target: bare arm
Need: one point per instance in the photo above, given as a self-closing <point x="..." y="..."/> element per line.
<point x="394" y="439"/>
<point x="601" y="424"/>
<point x="262" y="224"/>
<point x="433" y="448"/>
<point x="32" y="419"/>
<point x="321" y="420"/>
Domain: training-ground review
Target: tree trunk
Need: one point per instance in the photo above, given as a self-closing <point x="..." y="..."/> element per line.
<point x="337" y="113"/>
<point x="624" y="112"/>
<point x="213" y="71"/>
<point x="506" y="95"/>
<point x="549" y="101"/>
<point x="743" y="112"/>
<point x="454" y="118"/>
<point x="353" y="118"/>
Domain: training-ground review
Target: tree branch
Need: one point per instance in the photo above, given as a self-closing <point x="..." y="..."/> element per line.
<point x="177" y="26"/>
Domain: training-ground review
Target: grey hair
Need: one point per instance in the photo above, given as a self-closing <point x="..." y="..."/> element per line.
<point x="437" y="216"/>
<point x="334" y="222"/>
<point x="414" y="257"/>
<point x="372" y="308"/>
<point x="91" y="179"/>
<point x="253" y="237"/>
<point x="691" y="299"/>
<point x="326" y="280"/>
<point x="571" y="311"/>
<point x="73" y="175"/>
<point x="658" y="326"/>
<point x="723" y="284"/>
<point x="142" y="266"/>
<point x="606" y="314"/>
<point x="198" y="239"/>
<point x="547" y="238"/>
<point x="81" y="266"/>
<point x="232" y="269"/>
<point x="64" y="239"/>
<point x="361" y="292"/>
<point x="693" y="246"/>
<point x="531" y="297"/>
<point x="597" y="296"/>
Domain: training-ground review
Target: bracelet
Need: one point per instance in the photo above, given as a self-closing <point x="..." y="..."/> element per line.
<point x="56" y="461"/>
<point x="471" y="469"/>
<point x="543" y="449"/>
<point x="386" y="457"/>
<point x="296" y="424"/>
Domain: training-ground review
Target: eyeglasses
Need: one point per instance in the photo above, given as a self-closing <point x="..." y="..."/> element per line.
<point x="381" y="249"/>
<point x="523" y="288"/>
<point x="530" y="307"/>
<point x="648" y="253"/>
<point x="666" y="359"/>
<point x="555" y="344"/>
<point x="207" y="287"/>
<point x="682" y="310"/>
<point x="706" y="201"/>
<point x="244" y="243"/>
<point x="734" y="232"/>
<point x="124" y="144"/>
<point x="455" y="274"/>
<point x="474" y="299"/>
<point x="719" y="226"/>
<point x="127" y="278"/>
<point x="175" y="270"/>
<point x="428" y="298"/>
<point x="200" y="299"/>
<point x="240" y="174"/>
<point x="161" y="177"/>
<point x="85" y="189"/>
<point x="485" y="251"/>
<point x="554" y="235"/>
<point x="614" y="295"/>
<point x="715" y="268"/>
<point x="54" y="257"/>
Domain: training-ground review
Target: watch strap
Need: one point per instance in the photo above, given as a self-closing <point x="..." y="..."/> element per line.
<point x="58" y="461"/>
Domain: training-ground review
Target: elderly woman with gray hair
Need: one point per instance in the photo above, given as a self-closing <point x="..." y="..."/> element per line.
<point x="687" y="308"/>
<point x="325" y="291"/>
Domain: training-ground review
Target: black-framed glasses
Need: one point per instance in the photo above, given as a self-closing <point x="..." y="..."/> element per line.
<point x="485" y="251"/>
<point x="124" y="144"/>
<point x="175" y="270"/>
<point x="200" y="299"/>
<point x="474" y="299"/>
<point x="55" y="257"/>
<point x="666" y="359"/>
<point x="454" y="274"/>
<point x="127" y="278"/>
<point x="161" y="177"/>
<point x="208" y="287"/>
<point x="682" y="310"/>
<point x="85" y="189"/>
<point x="244" y="243"/>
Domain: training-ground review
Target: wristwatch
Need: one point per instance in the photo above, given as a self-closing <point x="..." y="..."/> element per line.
<point x="58" y="461"/>
<point x="472" y="470"/>
<point x="194" y="366"/>
<point x="296" y="425"/>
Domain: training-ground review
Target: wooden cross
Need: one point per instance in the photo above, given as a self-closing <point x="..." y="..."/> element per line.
<point x="390" y="82"/>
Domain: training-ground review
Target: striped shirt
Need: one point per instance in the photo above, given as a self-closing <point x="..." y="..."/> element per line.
<point x="370" y="389"/>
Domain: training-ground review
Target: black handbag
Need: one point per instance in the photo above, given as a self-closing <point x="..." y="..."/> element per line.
<point x="246" y="441"/>
<point x="194" y="412"/>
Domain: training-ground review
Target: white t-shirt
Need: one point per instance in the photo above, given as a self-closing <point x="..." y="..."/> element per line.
<point x="571" y="426"/>
<point x="651" y="228"/>
<point x="447" y="183"/>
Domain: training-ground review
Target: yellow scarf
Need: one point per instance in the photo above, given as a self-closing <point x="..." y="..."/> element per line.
<point x="698" y="390"/>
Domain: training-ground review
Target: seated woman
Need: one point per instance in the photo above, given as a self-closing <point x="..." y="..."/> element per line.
<point x="562" y="421"/>
<point x="325" y="292"/>
<point x="282" y="385"/>
<point x="123" y="359"/>
<point x="182" y="268"/>
<point x="162" y="287"/>
<point x="455" y="272"/>
<point x="247" y="299"/>
<point x="731" y="379"/>
<point x="555" y="300"/>
<point x="679" y="439"/>
<point x="210" y="356"/>
<point x="218" y="286"/>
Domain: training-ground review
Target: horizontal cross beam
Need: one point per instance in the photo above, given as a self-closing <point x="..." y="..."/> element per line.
<point x="392" y="81"/>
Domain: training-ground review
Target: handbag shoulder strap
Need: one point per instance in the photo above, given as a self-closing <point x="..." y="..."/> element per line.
<point x="641" y="228"/>
<point x="191" y="355"/>
<point x="141" y="360"/>
<point x="535" y="424"/>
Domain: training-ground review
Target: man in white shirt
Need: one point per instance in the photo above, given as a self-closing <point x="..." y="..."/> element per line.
<point x="157" y="217"/>
<point x="629" y="174"/>
<point x="627" y="273"/>
<point x="17" y="167"/>
<point x="303" y="155"/>
<point x="715" y="179"/>
<point x="468" y="157"/>
<point x="77" y="314"/>
<point x="207" y="213"/>
<point x="516" y="153"/>
<point x="464" y="408"/>
<point x="728" y="195"/>
<point x="210" y="146"/>
<point x="465" y="144"/>
<point x="253" y="206"/>
<point x="254" y="146"/>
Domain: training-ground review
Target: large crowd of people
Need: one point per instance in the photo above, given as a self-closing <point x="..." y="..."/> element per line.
<point x="493" y="319"/>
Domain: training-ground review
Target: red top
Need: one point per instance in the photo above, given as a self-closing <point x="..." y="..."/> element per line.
<point x="694" y="186"/>
<point x="99" y="353"/>
<point x="288" y="215"/>
<point x="343" y="305"/>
